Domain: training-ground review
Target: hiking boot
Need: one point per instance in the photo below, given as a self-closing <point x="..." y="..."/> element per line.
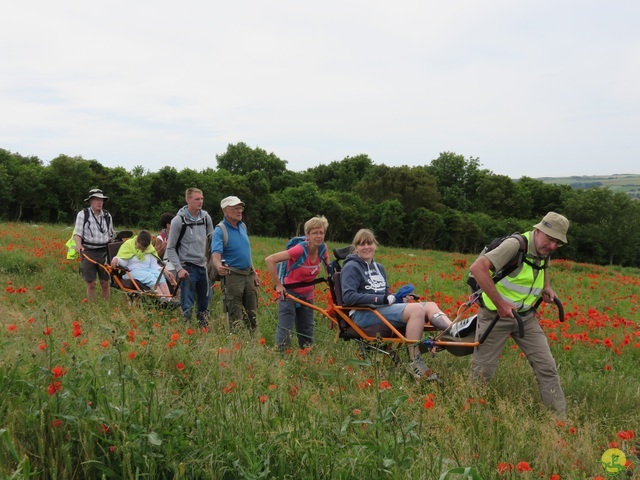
<point x="420" y="371"/>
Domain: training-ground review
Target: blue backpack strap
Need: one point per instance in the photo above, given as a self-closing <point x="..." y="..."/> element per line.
<point x="283" y="271"/>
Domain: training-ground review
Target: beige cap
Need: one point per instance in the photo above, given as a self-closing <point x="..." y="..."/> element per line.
<point x="554" y="225"/>
<point x="230" y="202"/>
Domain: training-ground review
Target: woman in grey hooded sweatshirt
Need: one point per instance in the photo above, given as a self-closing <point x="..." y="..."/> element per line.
<point x="364" y="282"/>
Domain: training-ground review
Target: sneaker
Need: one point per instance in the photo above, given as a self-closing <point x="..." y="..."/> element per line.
<point x="420" y="371"/>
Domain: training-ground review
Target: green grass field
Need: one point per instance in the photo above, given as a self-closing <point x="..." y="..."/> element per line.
<point x="103" y="389"/>
<point x="628" y="183"/>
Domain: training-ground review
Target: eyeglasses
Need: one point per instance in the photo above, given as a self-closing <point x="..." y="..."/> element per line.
<point x="559" y="243"/>
<point x="238" y="209"/>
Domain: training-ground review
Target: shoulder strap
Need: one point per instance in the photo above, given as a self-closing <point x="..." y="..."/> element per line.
<point x="182" y="230"/>
<point x="516" y="261"/>
<point x="225" y="233"/>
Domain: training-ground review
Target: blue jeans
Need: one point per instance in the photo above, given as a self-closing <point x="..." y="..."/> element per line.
<point x="291" y="313"/>
<point x="196" y="285"/>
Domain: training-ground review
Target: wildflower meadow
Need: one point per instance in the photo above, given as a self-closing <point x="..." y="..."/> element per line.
<point x="111" y="390"/>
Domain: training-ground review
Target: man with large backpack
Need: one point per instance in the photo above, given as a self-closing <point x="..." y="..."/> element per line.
<point x="518" y="291"/>
<point x="93" y="231"/>
<point x="298" y="264"/>
<point x="186" y="250"/>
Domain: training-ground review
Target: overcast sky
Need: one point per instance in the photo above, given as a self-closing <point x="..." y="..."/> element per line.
<point x="544" y="88"/>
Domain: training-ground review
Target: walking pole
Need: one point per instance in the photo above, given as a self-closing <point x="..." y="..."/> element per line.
<point x="223" y="283"/>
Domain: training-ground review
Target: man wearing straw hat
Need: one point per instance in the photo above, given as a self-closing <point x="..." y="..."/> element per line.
<point x="93" y="231"/>
<point x="519" y="291"/>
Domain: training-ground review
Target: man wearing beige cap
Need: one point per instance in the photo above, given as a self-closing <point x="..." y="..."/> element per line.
<point x="231" y="255"/>
<point x="519" y="292"/>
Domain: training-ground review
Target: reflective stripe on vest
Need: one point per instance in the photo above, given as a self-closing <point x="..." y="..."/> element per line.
<point x="521" y="291"/>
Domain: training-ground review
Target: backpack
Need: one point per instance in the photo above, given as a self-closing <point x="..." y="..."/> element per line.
<point x="512" y="265"/>
<point x="72" y="253"/>
<point x="283" y="271"/>
<point x="202" y="221"/>
<point x="212" y="271"/>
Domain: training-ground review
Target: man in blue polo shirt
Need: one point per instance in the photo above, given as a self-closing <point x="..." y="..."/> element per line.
<point x="239" y="278"/>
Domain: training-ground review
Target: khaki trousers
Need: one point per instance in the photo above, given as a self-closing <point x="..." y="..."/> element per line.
<point x="535" y="347"/>
<point x="240" y="299"/>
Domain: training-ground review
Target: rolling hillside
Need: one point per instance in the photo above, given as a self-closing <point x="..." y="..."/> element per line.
<point x="625" y="182"/>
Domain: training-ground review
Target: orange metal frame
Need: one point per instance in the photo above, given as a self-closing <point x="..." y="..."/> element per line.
<point x="397" y="339"/>
<point x="115" y="275"/>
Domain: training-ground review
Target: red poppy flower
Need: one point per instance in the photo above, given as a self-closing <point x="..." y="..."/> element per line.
<point x="263" y="398"/>
<point x="504" y="467"/>
<point x="180" y="366"/>
<point x="230" y="387"/>
<point x="523" y="467"/>
<point x="625" y="435"/>
<point x="54" y="387"/>
<point x="384" y="385"/>
<point x="58" y="371"/>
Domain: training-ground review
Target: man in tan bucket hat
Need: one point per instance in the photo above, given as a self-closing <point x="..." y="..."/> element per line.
<point x="519" y="291"/>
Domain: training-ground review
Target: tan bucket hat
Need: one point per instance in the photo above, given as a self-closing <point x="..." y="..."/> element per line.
<point x="554" y="225"/>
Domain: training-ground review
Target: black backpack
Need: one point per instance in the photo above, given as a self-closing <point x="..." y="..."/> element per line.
<point x="512" y="265"/>
<point x="107" y="220"/>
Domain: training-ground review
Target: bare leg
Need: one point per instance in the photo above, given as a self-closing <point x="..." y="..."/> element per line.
<point x="91" y="290"/>
<point x="413" y="315"/>
<point x="163" y="290"/>
<point x="106" y="291"/>
<point x="431" y="311"/>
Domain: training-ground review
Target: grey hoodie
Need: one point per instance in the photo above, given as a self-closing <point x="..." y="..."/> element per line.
<point x="193" y="244"/>
<point x="363" y="283"/>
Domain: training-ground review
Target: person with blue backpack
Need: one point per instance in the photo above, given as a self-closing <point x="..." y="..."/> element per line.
<point x="298" y="264"/>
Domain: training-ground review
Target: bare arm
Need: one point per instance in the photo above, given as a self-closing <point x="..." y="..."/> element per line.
<point x="216" y="258"/>
<point x="272" y="261"/>
<point x="160" y="246"/>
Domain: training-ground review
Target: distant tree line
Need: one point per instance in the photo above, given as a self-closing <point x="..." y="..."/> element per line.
<point x="451" y="204"/>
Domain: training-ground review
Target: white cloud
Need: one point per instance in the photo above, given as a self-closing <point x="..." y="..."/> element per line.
<point x="532" y="89"/>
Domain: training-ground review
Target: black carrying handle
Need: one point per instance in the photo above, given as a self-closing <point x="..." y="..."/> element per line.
<point x="558" y="303"/>
<point x="518" y="318"/>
